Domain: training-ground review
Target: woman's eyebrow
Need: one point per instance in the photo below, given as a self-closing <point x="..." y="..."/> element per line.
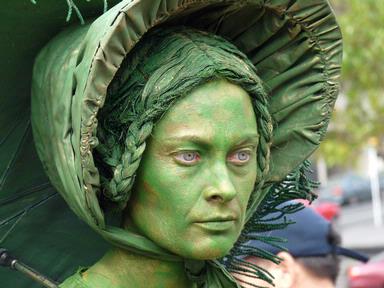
<point x="245" y="137"/>
<point x="203" y="140"/>
<point x="200" y="140"/>
<point x="253" y="138"/>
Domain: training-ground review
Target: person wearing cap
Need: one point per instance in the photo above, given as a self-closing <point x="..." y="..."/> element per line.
<point x="309" y="257"/>
<point x="171" y="127"/>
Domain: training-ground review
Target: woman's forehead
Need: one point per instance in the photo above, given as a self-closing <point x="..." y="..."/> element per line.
<point x="217" y="100"/>
<point x="214" y="107"/>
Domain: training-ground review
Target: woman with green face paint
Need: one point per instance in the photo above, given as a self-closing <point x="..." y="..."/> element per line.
<point x="182" y="137"/>
<point x="192" y="188"/>
<point x="201" y="159"/>
<point x="197" y="173"/>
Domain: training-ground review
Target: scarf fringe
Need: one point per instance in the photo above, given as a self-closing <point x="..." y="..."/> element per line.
<point x="268" y="217"/>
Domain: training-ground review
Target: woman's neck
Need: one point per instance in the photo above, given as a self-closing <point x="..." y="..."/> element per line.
<point x="124" y="269"/>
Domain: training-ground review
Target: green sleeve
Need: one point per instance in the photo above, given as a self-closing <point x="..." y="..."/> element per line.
<point x="82" y="280"/>
<point x="75" y="281"/>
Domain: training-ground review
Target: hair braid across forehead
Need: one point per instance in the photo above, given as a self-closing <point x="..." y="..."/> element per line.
<point x="265" y="127"/>
<point x="164" y="66"/>
<point x="119" y="187"/>
<point x="264" y="123"/>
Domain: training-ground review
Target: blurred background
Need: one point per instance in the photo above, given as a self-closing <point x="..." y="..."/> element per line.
<point x="350" y="162"/>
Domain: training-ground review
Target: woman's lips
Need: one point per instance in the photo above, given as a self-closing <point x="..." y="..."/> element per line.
<point x="216" y="225"/>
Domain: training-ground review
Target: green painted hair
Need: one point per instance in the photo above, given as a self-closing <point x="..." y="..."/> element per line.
<point x="164" y="66"/>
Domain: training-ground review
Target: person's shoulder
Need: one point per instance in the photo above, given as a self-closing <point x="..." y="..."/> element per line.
<point x="83" y="279"/>
<point x="75" y="281"/>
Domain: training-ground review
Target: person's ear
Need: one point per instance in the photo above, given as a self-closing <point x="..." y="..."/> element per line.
<point x="287" y="269"/>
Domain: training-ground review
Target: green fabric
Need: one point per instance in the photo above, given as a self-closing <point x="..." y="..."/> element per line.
<point x="49" y="237"/>
<point x="295" y="45"/>
<point x="77" y="281"/>
<point x="214" y="279"/>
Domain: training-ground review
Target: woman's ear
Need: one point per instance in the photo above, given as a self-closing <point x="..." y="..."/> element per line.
<point x="287" y="271"/>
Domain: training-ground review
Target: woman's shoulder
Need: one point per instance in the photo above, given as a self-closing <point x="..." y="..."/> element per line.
<point x="75" y="281"/>
<point x="81" y="279"/>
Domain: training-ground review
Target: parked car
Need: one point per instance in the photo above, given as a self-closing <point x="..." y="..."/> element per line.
<point x="369" y="275"/>
<point x="346" y="189"/>
<point x="329" y="210"/>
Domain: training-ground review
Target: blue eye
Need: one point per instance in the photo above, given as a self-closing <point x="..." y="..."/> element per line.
<point x="187" y="157"/>
<point x="240" y="157"/>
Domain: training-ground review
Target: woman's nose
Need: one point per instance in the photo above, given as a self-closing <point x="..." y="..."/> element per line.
<point x="220" y="187"/>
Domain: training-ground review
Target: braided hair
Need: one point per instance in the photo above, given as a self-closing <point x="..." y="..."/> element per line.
<point x="164" y="66"/>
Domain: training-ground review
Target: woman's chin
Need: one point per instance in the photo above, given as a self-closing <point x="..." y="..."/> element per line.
<point x="207" y="252"/>
<point x="210" y="255"/>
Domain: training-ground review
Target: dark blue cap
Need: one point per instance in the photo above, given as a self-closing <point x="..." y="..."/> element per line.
<point x="308" y="236"/>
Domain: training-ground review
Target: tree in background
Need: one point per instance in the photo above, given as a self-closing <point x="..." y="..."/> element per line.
<point x="359" y="113"/>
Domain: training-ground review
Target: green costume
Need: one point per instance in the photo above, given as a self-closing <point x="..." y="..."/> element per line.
<point x="295" y="47"/>
<point x="77" y="281"/>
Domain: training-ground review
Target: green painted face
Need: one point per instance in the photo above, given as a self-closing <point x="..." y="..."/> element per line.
<point x="197" y="173"/>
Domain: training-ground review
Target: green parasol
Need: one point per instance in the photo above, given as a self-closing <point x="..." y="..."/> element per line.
<point x="36" y="225"/>
<point x="295" y="45"/>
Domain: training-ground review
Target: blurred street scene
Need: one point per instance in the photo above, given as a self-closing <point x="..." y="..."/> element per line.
<point x="358" y="232"/>
<point x="350" y="163"/>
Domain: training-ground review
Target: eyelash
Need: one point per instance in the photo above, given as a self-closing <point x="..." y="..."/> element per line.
<point x="238" y="161"/>
<point x="192" y="157"/>
<point x="180" y="157"/>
